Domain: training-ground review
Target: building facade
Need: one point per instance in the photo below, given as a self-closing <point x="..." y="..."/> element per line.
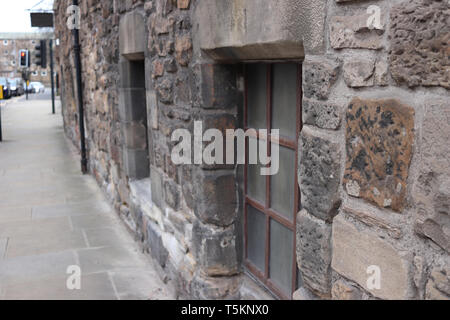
<point x="359" y="90"/>
<point x="9" y="61"/>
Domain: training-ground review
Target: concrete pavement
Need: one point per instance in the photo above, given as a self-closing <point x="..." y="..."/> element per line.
<point x="52" y="217"/>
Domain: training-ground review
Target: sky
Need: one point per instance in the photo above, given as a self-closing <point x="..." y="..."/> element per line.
<point x="14" y="16"/>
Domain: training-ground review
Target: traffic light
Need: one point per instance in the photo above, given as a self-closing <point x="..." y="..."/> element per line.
<point x="41" y="54"/>
<point x="24" y="58"/>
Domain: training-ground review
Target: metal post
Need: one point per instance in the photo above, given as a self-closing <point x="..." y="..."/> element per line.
<point x="77" y="58"/>
<point x="52" y="81"/>
<point x="26" y="88"/>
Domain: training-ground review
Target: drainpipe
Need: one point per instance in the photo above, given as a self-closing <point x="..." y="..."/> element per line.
<point x="77" y="58"/>
<point x="52" y="78"/>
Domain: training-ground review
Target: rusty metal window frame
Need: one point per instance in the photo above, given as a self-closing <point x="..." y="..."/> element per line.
<point x="265" y="208"/>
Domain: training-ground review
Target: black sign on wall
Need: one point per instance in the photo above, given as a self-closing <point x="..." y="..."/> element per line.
<point x="41" y="19"/>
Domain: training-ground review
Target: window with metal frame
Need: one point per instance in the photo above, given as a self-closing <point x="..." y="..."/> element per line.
<point x="273" y="94"/>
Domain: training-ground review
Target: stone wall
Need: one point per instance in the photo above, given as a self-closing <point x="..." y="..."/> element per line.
<point x="179" y="213"/>
<point x="376" y="115"/>
<point x="373" y="156"/>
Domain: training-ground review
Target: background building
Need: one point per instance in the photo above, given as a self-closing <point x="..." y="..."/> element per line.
<point x="9" y="60"/>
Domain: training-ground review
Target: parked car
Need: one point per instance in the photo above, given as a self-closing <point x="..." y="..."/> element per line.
<point x="16" y="87"/>
<point x="37" y="87"/>
<point x="6" y="88"/>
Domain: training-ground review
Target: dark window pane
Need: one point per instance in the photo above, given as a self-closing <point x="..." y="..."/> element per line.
<point x="282" y="184"/>
<point x="281" y="251"/>
<point x="284" y="99"/>
<point x="256" y="183"/>
<point x="256" y="244"/>
<point x="257" y="95"/>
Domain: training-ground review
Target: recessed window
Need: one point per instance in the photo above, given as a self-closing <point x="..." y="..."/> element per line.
<point x="5" y="42"/>
<point x="133" y="107"/>
<point x="35" y="73"/>
<point x="44" y="73"/>
<point x="272" y="101"/>
<point x="13" y="62"/>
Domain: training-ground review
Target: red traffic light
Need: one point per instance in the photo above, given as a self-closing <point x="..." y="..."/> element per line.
<point x="24" y="59"/>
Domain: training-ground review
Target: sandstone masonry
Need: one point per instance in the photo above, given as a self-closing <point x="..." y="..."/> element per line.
<point x="373" y="165"/>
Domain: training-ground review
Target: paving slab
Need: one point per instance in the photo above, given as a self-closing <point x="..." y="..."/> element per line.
<point x="106" y="237"/>
<point x="73" y="209"/>
<point x="139" y="284"/>
<point x="27" y="245"/>
<point x="8" y="214"/>
<point x="93" y="220"/>
<point x="28" y="268"/>
<point x="93" y="287"/>
<point x="109" y="258"/>
<point x="53" y="226"/>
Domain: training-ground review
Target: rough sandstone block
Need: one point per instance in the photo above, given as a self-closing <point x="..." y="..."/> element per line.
<point x="132" y="36"/>
<point x="431" y="192"/>
<point x="183" y="4"/>
<point x="260" y="30"/>
<point x="218" y="86"/>
<point x="420" y="33"/>
<point x="355" y="250"/>
<point x="318" y="77"/>
<point x="215" y="197"/>
<point x="352" y="32"/>
<point x="342" y="290"/>
<point x="319" y="174"/>
<point x="438" y="286"/>
<point x="215" y="288"/>
<point x="321" y="114"/>
<point x="314" y="253"/>
<point x="172" y="194"/>
<point x="379" y="139"/>
<point x="359" y="73"/>
<point x="183" y="49"/>
<point x="155" y="243"/>
<point x="157" y="187"/>
<point x="215" y="249"/>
